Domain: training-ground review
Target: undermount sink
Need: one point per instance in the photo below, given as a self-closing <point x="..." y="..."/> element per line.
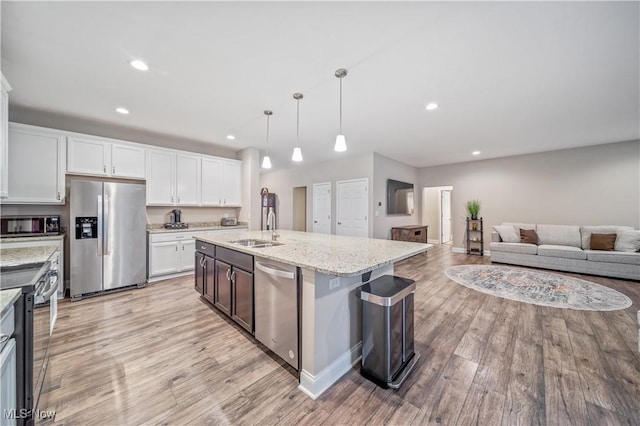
<point x="256" y="243"/>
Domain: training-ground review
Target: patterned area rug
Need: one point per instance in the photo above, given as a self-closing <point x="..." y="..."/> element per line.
<point x="539" y="288"/>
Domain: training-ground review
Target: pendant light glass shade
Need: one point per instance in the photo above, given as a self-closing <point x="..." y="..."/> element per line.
<point x="341" y="142"/>
<point x="266" y="161"/>
<point x="297" y="154"/>
<point x="297" y="151"/>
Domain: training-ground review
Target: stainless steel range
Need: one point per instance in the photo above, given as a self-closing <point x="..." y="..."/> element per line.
<point x="35" y="316"/>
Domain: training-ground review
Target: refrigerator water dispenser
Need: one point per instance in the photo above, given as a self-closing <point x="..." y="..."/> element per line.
<point x="86" y="228"/>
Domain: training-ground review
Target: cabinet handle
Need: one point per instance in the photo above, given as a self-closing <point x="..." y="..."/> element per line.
<point x="114" y="170"/>
<point x="176" y="248"/>
<point x="220" y="201"/>
<point x="339" y="223"/>
<point x="58" y="195"/>
<point x="224" y="201"/>
<point x="203" y="248"/>
<point x="3" y="338"/>
<point x="104" y="169"/>
<point x="228" y="276"/>
<point x="315" y="221"/>
<point x="172" y="198"/>
<point x="233" y="276"/>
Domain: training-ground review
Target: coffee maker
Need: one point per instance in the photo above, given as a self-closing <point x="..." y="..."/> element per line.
<point x="175" y="220"/>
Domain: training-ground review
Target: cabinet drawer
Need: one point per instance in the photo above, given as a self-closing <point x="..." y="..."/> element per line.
<point x="241" y="260"/>
<point x="170" y="236"/>
<point x="205" y="248"/>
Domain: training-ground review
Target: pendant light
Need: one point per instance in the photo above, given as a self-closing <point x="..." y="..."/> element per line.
<point x="297" y="151"/>
<point x="266" y="161"/>
<point x="341" y="143"/>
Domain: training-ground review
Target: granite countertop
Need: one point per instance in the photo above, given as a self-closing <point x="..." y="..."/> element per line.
<point x="194" y="227"/>
<point x="324" y="253"/>
<point x="8" y="298"/>
<point x="25" y="255"/>
<point x="38" y="238"/>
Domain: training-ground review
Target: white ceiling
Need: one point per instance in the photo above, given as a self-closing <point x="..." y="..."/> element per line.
<point x="510" y="78"/>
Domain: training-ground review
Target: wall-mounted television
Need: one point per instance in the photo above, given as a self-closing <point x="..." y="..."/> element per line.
<point x="399" y="197"/>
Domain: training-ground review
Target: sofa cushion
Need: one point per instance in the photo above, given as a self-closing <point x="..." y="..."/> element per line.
<point x="567" y="252"/>
<point x="628" y="241"/>
<point x="508" y="233"/>
<point x="613" y="257"/>
<point x="604" y="242"/>
<point x="561" y="235"/>
<point x="520" y="248"/>
<point x="528" y="236"/>
<point x="586" y="232"/>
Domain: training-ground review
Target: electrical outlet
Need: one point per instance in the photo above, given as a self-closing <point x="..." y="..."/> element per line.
<point x="334" y="283"/>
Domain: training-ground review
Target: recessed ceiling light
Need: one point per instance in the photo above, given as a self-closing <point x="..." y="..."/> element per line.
<point x="231" y="137"/>
<point x="122" y="110"/>
<point x="431" y="106"/>
<point x="475" y="153"/>
<point x="139" y="65"/>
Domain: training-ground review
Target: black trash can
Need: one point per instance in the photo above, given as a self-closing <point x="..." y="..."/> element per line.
<point x="388" y="354"/>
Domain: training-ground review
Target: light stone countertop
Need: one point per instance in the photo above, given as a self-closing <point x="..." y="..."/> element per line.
<point x="42" y="238"/>
<point x="25" y="255"/>
<point x="195" y="229"/>
<point x="328" y="254"/>
<point x="8" y="297"/>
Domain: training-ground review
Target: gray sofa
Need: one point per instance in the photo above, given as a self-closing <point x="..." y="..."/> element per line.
<point x="567" y="248"/>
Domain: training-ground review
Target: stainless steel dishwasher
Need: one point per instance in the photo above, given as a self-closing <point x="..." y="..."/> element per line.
<point x="277" y="319"/>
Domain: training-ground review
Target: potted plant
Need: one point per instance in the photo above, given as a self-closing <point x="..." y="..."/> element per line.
<point x="473" y="208"/>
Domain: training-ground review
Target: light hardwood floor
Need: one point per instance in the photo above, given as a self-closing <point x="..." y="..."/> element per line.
<point x="160" y="355"/>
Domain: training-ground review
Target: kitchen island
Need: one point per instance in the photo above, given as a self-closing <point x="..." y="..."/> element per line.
<point x="333" y="268"/>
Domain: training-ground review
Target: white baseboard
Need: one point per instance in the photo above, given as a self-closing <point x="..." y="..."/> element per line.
<point x="433" y="241"/>
<point x="166" y="277"/>
<point x="314" y="386"/>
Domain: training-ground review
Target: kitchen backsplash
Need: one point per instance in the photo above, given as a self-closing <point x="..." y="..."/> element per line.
<point x="158" y="215"/>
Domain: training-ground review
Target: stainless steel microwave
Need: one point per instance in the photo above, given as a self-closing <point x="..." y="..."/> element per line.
<point x="29" y="226"/>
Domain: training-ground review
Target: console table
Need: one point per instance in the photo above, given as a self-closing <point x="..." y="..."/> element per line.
<point x="411" y="233"/>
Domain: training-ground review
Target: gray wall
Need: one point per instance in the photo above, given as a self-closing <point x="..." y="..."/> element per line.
<point x="385" y="168"/>
<point x="59" y="121"/>
<point x="592" y="185"/>
<point x="282" y="183"/>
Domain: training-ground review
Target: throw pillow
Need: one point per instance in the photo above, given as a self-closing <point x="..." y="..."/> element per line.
<point x="508" y="233"/>
<point x="528" y="236"/>
<point x="603" y="241"/>
<point x="628" y="241"/>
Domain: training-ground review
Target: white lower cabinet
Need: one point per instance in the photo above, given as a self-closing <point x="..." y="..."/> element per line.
<point x="171" y="253"/>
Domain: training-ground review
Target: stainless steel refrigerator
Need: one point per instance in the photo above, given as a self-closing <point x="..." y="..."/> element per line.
<point x="108" y="244"/>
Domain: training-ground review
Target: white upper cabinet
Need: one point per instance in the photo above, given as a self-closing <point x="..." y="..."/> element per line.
<point x="221" y="182"/>
<point x="97" y="157"/>
<point x="188" y="178"/>
<point x="37" y="165"/>
<point x="127" y="161"/>
<point x="5" y="88"/>
<point x="212" y="188"/>
<point x="161" y="178"/>
<point x="232" y="183"/>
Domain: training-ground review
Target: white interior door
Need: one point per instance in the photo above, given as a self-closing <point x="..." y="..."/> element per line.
<point x="352" y="207"/>
<point x="322" y="208"/>
<point x="445" y="209"/>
